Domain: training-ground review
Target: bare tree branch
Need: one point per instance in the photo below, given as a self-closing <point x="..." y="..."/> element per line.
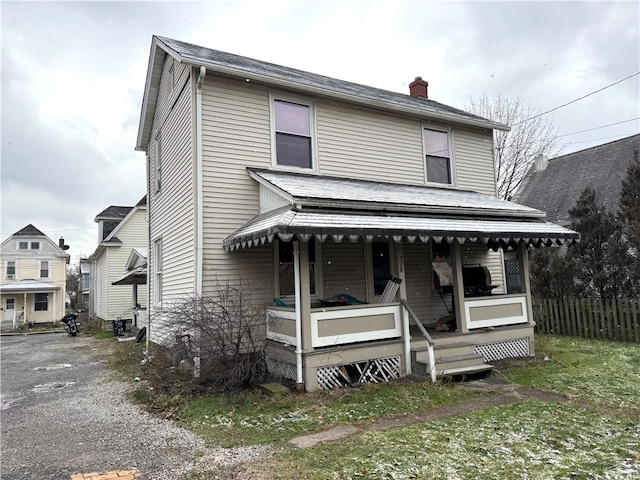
<point x="514" y="151"/>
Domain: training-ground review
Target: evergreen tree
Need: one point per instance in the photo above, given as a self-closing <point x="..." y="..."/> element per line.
<point x="630" y="218"/>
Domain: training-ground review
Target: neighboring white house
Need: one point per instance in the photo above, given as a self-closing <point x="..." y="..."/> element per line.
<point x="120" y="230"/>
<point x="327" y="191"/>
<point x="33" y="280"/>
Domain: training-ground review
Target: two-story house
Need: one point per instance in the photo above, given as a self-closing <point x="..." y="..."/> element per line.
<point x="121" y="230"/>
<point x="370" y="215"/>
<point x="33" y="280"/>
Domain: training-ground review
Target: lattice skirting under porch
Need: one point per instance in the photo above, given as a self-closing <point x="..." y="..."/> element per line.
<point x="280" y="369"/>
<point x="508" y="349"/>
<point x="371" y="371"/>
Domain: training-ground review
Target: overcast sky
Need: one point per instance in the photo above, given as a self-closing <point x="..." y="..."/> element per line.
<point x="73" y="77"/>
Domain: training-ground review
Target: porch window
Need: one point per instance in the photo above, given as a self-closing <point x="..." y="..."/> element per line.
<point x="512" y="272"/>
<point x="23" y="245"/>
<point x="293" y="133"/>
<point x="44" y="269"/>
<point x="41" y="302"/>
<point x="157" y="277"/>
<point x="437" y="156"/>
<point x="286" y="274"/>
<point x="381" y="266"/>
<point x="11" y="270"/>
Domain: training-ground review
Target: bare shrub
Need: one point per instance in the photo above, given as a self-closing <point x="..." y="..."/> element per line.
<point x="223" y="335"/>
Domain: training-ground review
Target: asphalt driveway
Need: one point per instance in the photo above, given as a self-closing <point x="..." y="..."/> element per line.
<point x="64" y="414"/>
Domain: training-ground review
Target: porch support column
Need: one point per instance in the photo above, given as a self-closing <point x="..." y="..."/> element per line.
<point x="55" y="308"/>
<point x="303" y="303"/>
<point x="523" y="264"/>
<point x="406" y="332"/>
<point x="24" y="308"/>
<point x="458" y="289"/>
<point x="401" y="270"/>
<point x="135" y="303"/>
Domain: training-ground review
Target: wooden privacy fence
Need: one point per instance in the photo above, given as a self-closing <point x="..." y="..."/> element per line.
<point x="589" y="317"/>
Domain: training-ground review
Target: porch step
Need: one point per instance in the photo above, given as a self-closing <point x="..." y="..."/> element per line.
<point x="485" y="367"/>
<point x="441" y="352"/>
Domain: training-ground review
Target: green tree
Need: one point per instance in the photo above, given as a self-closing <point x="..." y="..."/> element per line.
<point x="630" y="218"/>
<point x="552" y="274"/>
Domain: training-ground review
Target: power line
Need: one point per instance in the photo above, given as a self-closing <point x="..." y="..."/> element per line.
<point x="577" y="99"/>
<point x="622" y="135"/>
<point x="598" y="128"/>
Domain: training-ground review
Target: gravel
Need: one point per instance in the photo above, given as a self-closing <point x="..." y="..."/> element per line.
<point x="59" y="421"/>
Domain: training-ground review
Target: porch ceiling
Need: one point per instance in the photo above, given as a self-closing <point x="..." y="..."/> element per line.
<point x="353" y="225"/>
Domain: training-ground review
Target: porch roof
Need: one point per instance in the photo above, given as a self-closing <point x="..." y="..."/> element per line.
<point x="26" y="286"/>
<point x="323" y="223"/>
<point x="325" y="206"/>
<point x="137" y="275"/>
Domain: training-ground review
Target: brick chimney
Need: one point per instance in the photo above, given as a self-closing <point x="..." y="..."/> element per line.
<point x="418" y="88"/>
<point x="62" y="245"/>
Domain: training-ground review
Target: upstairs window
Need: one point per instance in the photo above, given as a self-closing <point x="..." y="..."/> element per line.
<point x="157" y="147"/>
<point x="11" y="270"/>
<point x="44" y="269"/>
<point x="23" y="245"/>
<point x="35" y="245"/>
<point x="293" y="134"/>
<point x="437" y="156"/>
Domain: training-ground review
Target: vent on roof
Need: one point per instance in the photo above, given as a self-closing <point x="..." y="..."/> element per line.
<point x="541" y="162"/>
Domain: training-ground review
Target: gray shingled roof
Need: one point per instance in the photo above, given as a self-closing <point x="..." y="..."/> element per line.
<point x="325" y="191"/>
<point x="29" y="231"/>
<point x="324" y="206"/>
<point x="556" y="189"/>
<point x="113" y="212"/>
<point x="259" y="71"/>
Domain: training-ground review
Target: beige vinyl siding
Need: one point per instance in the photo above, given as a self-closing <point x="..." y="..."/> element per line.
<point x="353" y="142"/>
<point x="419" y="283"/>
<point x="236" y="135"/>
<point x="101" y="292"/>
<point x="473" y="150"/>
<point x="480" y="255"/>
<point x="343" y="268"/>
<point x="171" y="211"/>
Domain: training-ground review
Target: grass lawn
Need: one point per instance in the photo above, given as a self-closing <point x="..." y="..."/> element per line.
<point x="596" y="436"/>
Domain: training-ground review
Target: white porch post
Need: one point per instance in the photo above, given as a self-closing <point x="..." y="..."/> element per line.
<point x="24" y="308"/>
<point x="406" y="332"/>
<point x="55" y="307"/>
<point x="458" y="288"/>
<point x="296" y="271"/>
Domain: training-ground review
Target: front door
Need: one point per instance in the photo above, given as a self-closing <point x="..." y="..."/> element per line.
<point x="9" y="308"/>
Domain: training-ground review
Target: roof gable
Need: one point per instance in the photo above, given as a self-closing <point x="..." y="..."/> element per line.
<point x="113" y="212"/>
<point x="250" y="69"/>
<point x="556" y="188"/>
<point x="29" y="231"/>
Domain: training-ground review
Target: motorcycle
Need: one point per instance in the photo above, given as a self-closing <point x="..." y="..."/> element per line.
<point x="71" y="324"/>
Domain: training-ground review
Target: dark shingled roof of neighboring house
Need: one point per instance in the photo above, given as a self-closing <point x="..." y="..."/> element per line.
<point x="113" y="212"/>
<point x="28" y="231"/>
<point x="556" y="189"/>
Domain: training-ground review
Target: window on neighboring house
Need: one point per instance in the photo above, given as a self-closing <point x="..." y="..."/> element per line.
<point x="286" y="273"/>
<point x="157" y="265"/>
<point x="44" y="269"/>
<point x="293" y="134"/>
<point x="437" y="156"/>
<point x="41" y="302"/>
<point x="158" y="159"/>
<point x="11" y="269"/>
<point x="23" y="245"/>
<point x="35" y="245"/>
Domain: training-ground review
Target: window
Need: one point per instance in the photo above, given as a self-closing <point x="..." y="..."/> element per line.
<point x="11" y="269"/>
<point x="293" y="138"/>
<point x="512" y="273"/>
<point x="35" y="245"/>
<point x="23" y="245"/>
<point x="157" y="265"/>
<point x="158" y="159"/>
<point x="437" y="156"/>
<point x="44" y="269"/>
<point x="41" y="302"/>
<point x="381" y="266"/>
<point x="10" y="304"/>
<point x="286" y="274"/>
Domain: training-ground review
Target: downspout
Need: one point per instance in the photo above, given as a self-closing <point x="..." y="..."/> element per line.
<point x="199" y="213"/>
<point x="149" y="250"/>
<point x="296" y="271"/>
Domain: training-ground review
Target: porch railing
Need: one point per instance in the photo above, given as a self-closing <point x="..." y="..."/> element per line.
<point x="425" y="334"/>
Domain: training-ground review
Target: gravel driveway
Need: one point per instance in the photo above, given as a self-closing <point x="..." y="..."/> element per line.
<point x="64" y="413"/>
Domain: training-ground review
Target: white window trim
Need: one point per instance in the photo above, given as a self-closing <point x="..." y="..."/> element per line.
<point x="318" y="272"/>
<point x="452" y="161"/>
<point x="34" y="302"/>
<point x="39" y="245"/>
<point x="286" y="97"/>
<point x="157" y="157"/>
<point x="18" y="245"/>
<point x="15" y="269"/>
<point x="40" y="262"/>
<point x="157" y="273"/>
